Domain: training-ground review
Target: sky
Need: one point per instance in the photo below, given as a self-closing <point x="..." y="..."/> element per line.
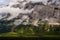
<point x="4" y="3"/>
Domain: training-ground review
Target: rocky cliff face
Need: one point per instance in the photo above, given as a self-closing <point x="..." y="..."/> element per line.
<point x="30" y="12"/>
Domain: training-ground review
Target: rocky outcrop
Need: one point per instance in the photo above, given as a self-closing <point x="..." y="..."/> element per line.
<point x="29" y="12"/>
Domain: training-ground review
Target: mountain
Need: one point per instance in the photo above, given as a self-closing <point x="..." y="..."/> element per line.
<point x="29" y="12"/>
<point x="28" y="18"/>
<point x="54" y="1"/>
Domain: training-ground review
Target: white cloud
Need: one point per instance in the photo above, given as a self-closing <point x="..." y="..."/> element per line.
<point x="13" y="11"/>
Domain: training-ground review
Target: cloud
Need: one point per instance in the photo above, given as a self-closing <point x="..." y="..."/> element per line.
<point x="14" y="11"/>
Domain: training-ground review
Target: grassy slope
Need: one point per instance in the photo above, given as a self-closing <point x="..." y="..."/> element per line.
<point x="30" y="32"/>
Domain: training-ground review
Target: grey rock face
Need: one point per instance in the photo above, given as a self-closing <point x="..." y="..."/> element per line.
<point x="28" y="12"/>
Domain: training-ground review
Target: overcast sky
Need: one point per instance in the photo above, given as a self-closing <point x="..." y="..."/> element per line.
<point x="4" y="3"/>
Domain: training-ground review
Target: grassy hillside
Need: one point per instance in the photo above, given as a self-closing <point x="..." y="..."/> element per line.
<point x="34" y="31"/>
